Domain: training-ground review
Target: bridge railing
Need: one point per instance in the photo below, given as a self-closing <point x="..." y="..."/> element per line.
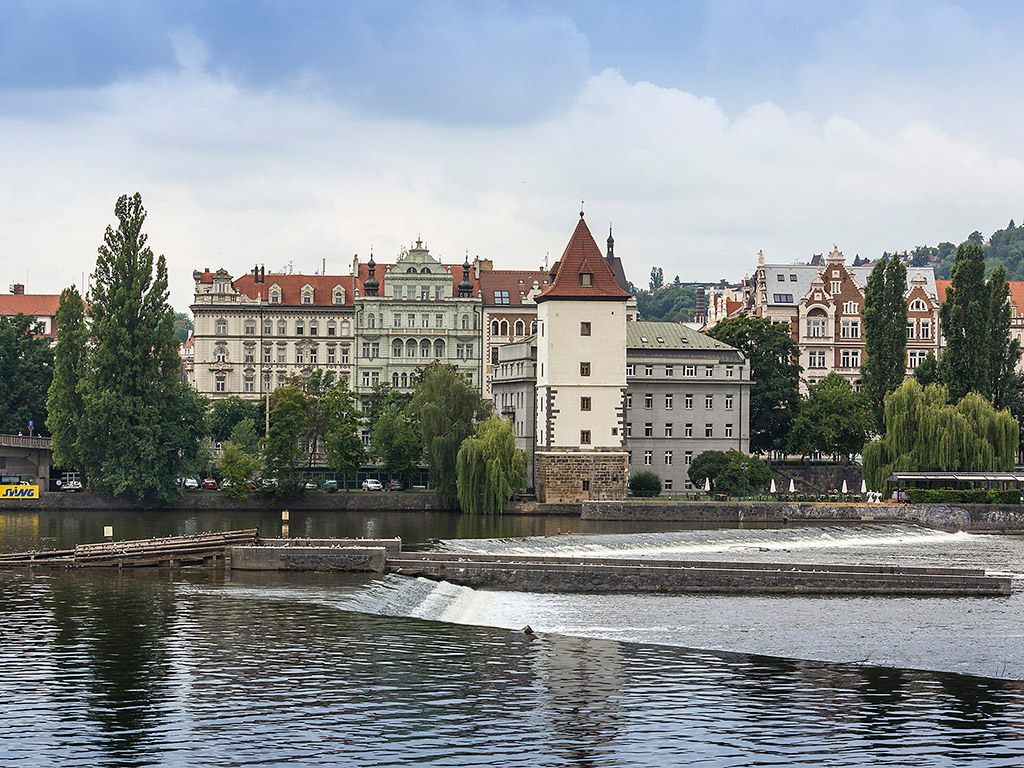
<point x="22" y="441"/>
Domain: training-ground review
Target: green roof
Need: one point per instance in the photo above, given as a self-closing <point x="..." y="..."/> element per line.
<point x="646" y="335"/>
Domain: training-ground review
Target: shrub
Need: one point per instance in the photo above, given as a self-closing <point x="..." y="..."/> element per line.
<point x="645" y="483"/>
<point x="963" y="496"/>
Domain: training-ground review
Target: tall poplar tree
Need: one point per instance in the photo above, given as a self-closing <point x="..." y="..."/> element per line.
<point x="965" y="317"/>
<point x="885" y="335"/>
<point x="64" y="402"/>
<point x="26" y="369"/>
<point x="140" y="425"/>
<point x="1004" y="350"/>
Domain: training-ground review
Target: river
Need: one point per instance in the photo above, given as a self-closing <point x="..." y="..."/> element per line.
<point x="186" y="668"/>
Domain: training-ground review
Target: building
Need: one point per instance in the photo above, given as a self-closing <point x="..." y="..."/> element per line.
<point x="686" y="393"/>
<point x="251" y="333"/>
<point x="41" y="307"/>
<point x="515" y="394"/>
<point x="823" y="302"/>
<point x="412" y="313"/>
<point x="581" y="382"/>
<point x="510" y="312"/>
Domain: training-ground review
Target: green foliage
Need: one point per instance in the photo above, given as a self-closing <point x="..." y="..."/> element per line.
<point x="965" y="315"/>
<point x="489" y="467"/>
<point x="1004" y="349"/>
<point x="448" y="409"/>
<point x="284" y="448"/>
<point x="227" y="413"/>
<point x="657" y="278"/>
<point x="833" y="419"/>
<point x="382" y="396"/>
<point x="706" y="465"/>
<point x="140" y="425"/>
<point x="245" y="437"/>
<point x="239" y="467"/>
<point x="182" y="325"/>
<point x="731" y="472"/>
<point x="924" y="432"/>
<point x="927" y="372"/>
<point x="774" y="373"/>
<point x="342" y="441"/>
<point x="395" y="441"/>
<point x="26" y="370"/>
<point x="645" y="483"/>
<point x="64" y="401"/>
<point x="885" y="335"/>
<point x="962" y="496"/>
<point x="673" y="303"/>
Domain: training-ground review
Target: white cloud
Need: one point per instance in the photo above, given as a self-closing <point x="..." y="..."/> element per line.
<point x="233" y="176"/>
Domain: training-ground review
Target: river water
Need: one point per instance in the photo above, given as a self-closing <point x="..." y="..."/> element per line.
<point x="155" y="668"/>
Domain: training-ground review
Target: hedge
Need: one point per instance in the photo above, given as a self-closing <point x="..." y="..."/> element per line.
<point x="962" y="496"/>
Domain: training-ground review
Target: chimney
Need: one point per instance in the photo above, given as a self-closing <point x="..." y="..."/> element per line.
<point x="18" y="289"/>
<point x="701" y="310"/>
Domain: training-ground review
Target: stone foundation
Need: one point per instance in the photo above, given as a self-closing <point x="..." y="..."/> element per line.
<point x="574" y="476"/>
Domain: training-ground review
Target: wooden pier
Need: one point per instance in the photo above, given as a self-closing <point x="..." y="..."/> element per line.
<point x="201" y="549"/>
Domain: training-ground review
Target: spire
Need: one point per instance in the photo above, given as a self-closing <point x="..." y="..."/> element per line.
<point x="581" y="209"/>
<point x="611" y="242"/>
<point x="465" y="285"/>
<point x="583" y="273"/>
<point x="370" y="284"/>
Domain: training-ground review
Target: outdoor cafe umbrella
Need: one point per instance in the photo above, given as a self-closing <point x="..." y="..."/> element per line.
<point x="773" y="485"/>
<point x="792" y="486"/>
<point x="863" y="486"/>
<point x="707" y="484"/>
<point x="844" y="486"/>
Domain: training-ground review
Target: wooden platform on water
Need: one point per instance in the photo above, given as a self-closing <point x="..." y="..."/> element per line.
<point x="200" y="549"/>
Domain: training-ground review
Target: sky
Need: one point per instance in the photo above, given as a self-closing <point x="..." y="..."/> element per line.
<point x="297" y="134"/>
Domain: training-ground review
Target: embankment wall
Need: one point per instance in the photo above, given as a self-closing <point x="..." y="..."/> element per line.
<point x="308" y="558"/>
<point x="215" y="500"/>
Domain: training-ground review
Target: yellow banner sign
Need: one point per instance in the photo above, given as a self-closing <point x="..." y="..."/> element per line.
<point x="19" y="491"/>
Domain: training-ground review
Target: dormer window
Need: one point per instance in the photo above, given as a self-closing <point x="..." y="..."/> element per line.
<point x="338" y="296"/>
<point x="275" y="294"/>
<point x="586" y="279"/>
<point x="307" y="294"/>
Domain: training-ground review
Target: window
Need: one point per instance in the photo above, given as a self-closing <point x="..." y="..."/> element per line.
<point x="398" y="319"/>
<point x="667" y="484"/>
<point x="916" y="357"/>
<point x="338" y="297"/>
<point x="688" y="458"/>
<point x="344" y="328"/>
<point x="220" y="355"/>
<point x="366" y="383"/>
<point x="816" y="359"/>
<point x="689" y="370"/>
<point x="282" y="328"/>
<point x="314" y="328"/>
<point x="850" y="308"/>
<point x="648" y="401"/>
<point x="266" y="354"/>
<point x="688" y="402"/>
<point x="330" y="355"/>
<point x="648" y="370"/>
<point x="332" y="328"/>
<point x="250" y="383"/>
<point x="926" y="329"/>
<point x="266" y="382"/>
<point x="668" y="401"/>
<point x="501" y="297"/>
<point x="344" y="355"/>
<point x="648" y="429"/>
<point x="249" y="355"/>
<point x="439" y="321"/>
<point x="648" y="457"/>
<point x="520" y="329"/>
<point x="630" y="369"/>
<point x="220" y="384"/>
<point x="668" y="429"/>
<point x="783" y="298"/>
<point x="222" y="327"/>
<point x="835" y="287"/>
<point x="425" y="348"/>
<point x="586" y="279"/>
<point x="850" y="358"/>
<point x="629" y="429"/>
<point x="629" y="399"/>
<point x="586" y="485"/>
<point x="275" y="296"/>
<point x="268" y="326"/>
<point x="918" y="306"/>
<point x="307" y="297"/>
<point x="670" y="370"/>
<point x="728" y="430"/>
<point x="424" y="321"/>
<point x="910" y="329"/>
<point x="584" y="403"/>
<point x="465" y="322"/>
<point x="281" y="353"/>
<point x="816" y="326"/>
<point x="709" y="430"/>
<point x="313" y="354"/>
<point x="280" y="379"/>
<point x="584" y="369"/>
<point x="425" y="293"/>
<point x="250" y="327"/>
<point x="709" y="402"/>
<point x="371" y="320"/>
<point x="728" y="402"/>
<point x="849" y="329"/>
<point x="709" y="371"/>
<point x="668" y="458"/>
<point x="300" y="356"/>
<point x="782" y="278"/>
<point x="437" y="292"/>
<point x="584" y="329"/>
<point x="688" y="430"/>
<point x="728" y="371"/>
<point x="584" y="437"/>
<point x="299" y="327"/>
<point x="438" y="348"/>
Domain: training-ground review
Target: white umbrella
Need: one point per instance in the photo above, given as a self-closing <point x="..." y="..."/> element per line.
<point x="863" y="486"/>
<point x="707" y="484"/>
<point x="773" y="485"/>
<point x="844" y="486"/>
<point x="792" y="486"/>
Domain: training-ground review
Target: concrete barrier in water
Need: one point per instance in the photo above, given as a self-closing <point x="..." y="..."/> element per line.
<point x="317" y="558"/>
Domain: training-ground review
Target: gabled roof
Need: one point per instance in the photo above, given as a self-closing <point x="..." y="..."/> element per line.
<point x="583" y="256"/>
<point x="380" y="272"/>
<point x="797" y="278"/>
<point x="291" y="288"/>
<point x="643" y="334"/>
<point x="34" y="304"/>
<point x="518" y="283"/>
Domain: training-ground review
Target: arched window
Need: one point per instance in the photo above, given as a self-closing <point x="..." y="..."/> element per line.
<point x="394" y="379"/>
<point x="405" y="380"/>
<point x="438" y="348"/>
<point x="371" y="321"/>
<point x="520" y="327"/>
<point x="494" y="327"/>
<point x="410" y="348"/>
<point x="339" y="296"/>
<point x="275" y="296"/>
<point x="425" y="271"/>
<point x="396" y="348"/>
<point x="533" y="327"/>
<point x="503" y="331"/>
<point x="465" y="322"/>
<point x="221" y="354"/>
<point x="424" y="348"/>
<point x="411" y="271"/>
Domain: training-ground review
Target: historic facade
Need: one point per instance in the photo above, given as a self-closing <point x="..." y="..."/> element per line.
<point x="252" y="332"/>
<point x="510" y="312"/>
<point x="414" y="312"/>
<point x="41" y="307"/>
<point x="515" y="394"/>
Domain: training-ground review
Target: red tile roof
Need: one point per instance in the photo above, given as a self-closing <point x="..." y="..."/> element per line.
<point x="940" y="289"/>
<point x="381" y="270"/>
<point x="1016" y="292"/>
<point x="582" y="256"/>
<point x="518" y="283"/>
<point x="291" y="287"/>
<point x="35" y="304"/>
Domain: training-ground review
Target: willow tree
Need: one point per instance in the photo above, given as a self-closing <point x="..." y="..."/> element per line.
<point x="64" y="401"/>
<point x="885" y="334"/>
<point x="926" y="433"/>
<point x="489" y="468"/>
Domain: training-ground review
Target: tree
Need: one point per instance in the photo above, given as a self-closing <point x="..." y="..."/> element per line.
<point x="926" y="433"/>
<point x="731" y="472"/>
<point x="706" y="466"/>
<point x="657" y="278"/>
<point x="448" y="408"/>
<point x="227" y="413"/>
<point x="965" y="319"/>
<point x="774" y="374"/>
<point x="64" y="400"/>
<point x="1004" y="350"/>
<point x="976" y="238"/>
<point x="885" y="334"/>
<point x="237" y="466"/>
<point x="489" y="467"/>
<point x="182" y="326"/>
<point x="140" y="425"/>
<point x="832" y="419"/>
<point x="645" y="484"/>
<point x="283" y="449"/>
<point x="26" y="370"/>
<point x="245" y="437"/>
<point x="342" y="441"/>
<point x="395" y="442"/>
<point x="927" y="372"/>
<point x="380" y="398"/>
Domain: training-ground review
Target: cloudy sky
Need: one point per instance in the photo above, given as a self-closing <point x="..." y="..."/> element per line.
<point x="293" y="132"/>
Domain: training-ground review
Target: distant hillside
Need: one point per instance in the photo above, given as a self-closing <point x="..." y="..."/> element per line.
<point x="671" y="303"/>
<point x="1004" y="246"/>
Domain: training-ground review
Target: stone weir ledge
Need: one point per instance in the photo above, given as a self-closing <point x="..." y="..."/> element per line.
<point x="615" y="575"/>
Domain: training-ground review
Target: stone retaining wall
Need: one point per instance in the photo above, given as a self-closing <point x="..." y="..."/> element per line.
<point x="308" y="559"/>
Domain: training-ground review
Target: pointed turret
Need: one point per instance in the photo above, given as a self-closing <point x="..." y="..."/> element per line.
<point x="466" y="285"/>
<point x="370" y="284"/>
<point x="582" y="272"/>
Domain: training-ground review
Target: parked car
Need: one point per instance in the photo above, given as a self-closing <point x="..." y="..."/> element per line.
<point x="190" y="483"/>
<point x="209" y="484"/>
<point x="372" y="485"/>
<point x="330" y="485"/>
<point x="395" y="485"/>
<point x="269" y="482"/>
<point x="310" y="485"/>
<point x="70" y="486"/>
